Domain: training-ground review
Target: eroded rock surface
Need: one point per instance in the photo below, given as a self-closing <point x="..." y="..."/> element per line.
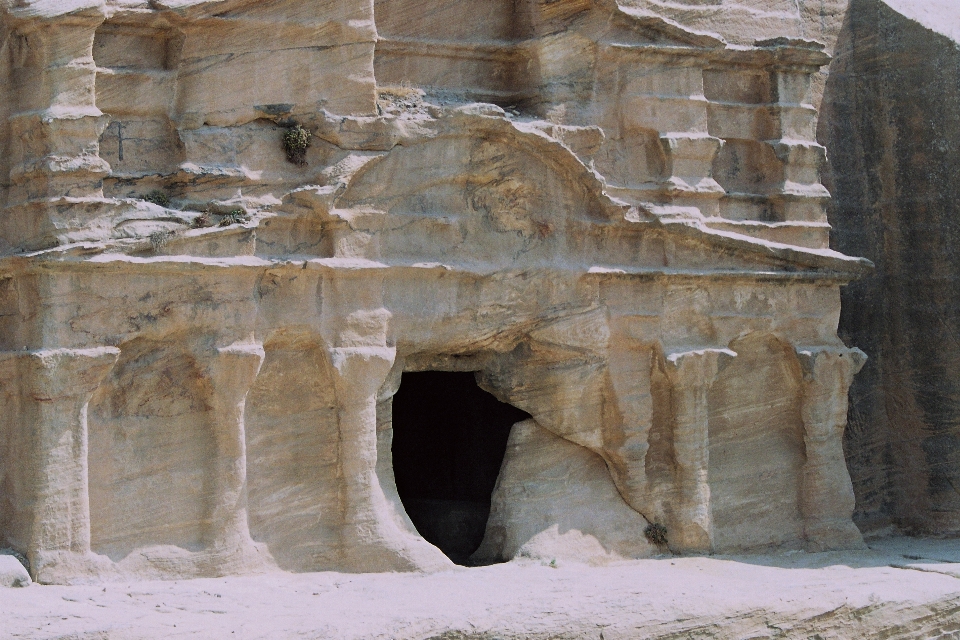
<point x="555" y="501"/>
<point x="615" y="221"/>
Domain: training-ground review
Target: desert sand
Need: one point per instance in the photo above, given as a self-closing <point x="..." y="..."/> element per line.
<point x="900" y="588"/>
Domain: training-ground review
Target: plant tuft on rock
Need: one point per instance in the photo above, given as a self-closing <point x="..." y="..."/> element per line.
<point x="296" y="141"/>
<point x="656" y="533"/>
<point x="202" y="221"/>
<point x="237" y="216"/>
<point x="158" y="198"/>
<point x="158" y="239"/>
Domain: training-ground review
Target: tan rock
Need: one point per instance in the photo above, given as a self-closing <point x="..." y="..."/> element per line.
<point x="555" y="501"/>
<point x="617" y="222"/>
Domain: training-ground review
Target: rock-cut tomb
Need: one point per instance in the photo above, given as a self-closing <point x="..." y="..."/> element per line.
<point x="608" y="222"/>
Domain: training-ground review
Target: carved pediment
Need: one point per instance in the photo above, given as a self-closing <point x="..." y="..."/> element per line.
<point x="632" y="25"/>
<point x="496" y="195"/>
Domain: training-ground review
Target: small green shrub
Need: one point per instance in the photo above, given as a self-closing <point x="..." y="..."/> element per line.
<point x="237" y="216"/>
<point x="656" y="533"/>
<point x="158" y="198"/>
<point x="296" y="141"/>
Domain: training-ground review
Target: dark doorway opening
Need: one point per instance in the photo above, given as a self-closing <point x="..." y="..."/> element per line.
<point x="449" y="437"/>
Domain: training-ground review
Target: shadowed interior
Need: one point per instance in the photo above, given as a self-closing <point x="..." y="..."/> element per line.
<point x="448" y="445"/>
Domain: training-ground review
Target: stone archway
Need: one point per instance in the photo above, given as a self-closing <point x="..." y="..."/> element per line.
<point x="448" y="445"/>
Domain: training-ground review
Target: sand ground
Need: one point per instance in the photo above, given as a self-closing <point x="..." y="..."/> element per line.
<point x="901" y="588"/>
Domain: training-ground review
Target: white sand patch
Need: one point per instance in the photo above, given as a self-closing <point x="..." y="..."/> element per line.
<point x="901" y="588"/>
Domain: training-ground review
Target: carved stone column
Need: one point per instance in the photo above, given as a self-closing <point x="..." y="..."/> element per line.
<point x="51" y="518"/>
<point x="827" y="499"/>
<point x="691" y="375"/>
<point x="358" y="374"/>
<point x="689" y="169"/>
<point x="231" y="372"/>
<point x="803" y="197"/>
<point x="627" y="435"/>
<point x="361" y="360"/>
<point x="56" y="173"/>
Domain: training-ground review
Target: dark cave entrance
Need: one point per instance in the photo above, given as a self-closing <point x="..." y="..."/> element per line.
<point x="449" y="437"/>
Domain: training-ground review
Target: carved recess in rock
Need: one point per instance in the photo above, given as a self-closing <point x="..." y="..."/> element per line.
<point x="137" y="460"/>
<point x="213" y="373"/>
<point x="292" y="454"/>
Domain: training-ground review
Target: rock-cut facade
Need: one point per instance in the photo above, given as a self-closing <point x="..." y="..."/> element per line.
<point x="615" y="221"/>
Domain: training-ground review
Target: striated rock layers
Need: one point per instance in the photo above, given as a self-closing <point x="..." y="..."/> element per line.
<point x="616" y="222"/>
<point x="892" y="119"/>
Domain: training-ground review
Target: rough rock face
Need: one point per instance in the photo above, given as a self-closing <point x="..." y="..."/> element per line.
<point x="892" y="116"/>
<point x="746" y="21"/>
<point x="229" y="227"/>
<point x="554" y="501"/>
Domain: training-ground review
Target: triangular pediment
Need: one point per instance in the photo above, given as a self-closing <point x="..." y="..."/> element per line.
<point x="635" y="26"/>
<point x="484" y="194"/>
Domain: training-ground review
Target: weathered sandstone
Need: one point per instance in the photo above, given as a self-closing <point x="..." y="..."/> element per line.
<point x="554" y="501"/>
<point x="615" y="221"/>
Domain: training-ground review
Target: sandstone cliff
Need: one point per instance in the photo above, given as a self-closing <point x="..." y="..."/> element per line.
<point x="891" y="121"/>
<point x="230" y="228"/>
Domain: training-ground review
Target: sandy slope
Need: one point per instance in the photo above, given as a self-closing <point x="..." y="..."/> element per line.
<point x="902" y="588"/>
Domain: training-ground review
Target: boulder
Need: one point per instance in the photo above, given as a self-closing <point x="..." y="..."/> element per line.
<point x="12" y="571"/>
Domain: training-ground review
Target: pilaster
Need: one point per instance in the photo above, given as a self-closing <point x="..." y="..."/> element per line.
<point x="827" y="499"/>
<point x="231" y="371"/>
<point x="51" y="520"/>
<point x="361" y="361"/>
<point x="803" y="198"/>
<point x="55" y="170"/>
<point x="691" y="374"/>
<point x="689" y="171"/>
